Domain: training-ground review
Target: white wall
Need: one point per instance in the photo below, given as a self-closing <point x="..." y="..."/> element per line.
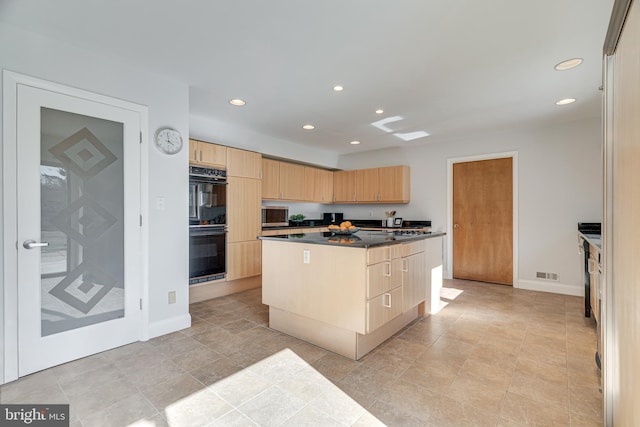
<point x="559" y="186"/>
<point x="168" y="105"/>
<point x="212" y="130"/>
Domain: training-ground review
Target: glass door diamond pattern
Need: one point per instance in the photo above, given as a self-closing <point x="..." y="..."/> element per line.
<point x="82" y="182"/>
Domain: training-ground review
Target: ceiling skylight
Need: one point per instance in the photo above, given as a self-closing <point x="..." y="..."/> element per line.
<point x="410" y="136"/>
<point x="380" y="124"/>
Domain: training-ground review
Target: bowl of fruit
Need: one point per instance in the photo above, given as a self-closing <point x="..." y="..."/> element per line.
<point x="345" y="227"/>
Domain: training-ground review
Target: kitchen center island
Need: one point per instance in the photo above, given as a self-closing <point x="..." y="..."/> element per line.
<point x="349" y="293"/>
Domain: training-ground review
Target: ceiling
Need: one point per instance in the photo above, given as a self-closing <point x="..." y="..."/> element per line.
<point x="450" y="68"/>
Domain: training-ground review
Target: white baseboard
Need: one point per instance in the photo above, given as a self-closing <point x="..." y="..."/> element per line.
<point x="553" y="287"/>
<point x="167" y="326"/>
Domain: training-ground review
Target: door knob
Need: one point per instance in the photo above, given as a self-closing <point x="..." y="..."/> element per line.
<point x="456" y="225"/>
<point x="30" y="244"/>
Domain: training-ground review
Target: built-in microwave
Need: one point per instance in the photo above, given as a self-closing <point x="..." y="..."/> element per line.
<point x="275" y="216"/>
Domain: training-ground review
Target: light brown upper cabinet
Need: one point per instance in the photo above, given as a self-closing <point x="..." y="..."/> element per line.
<point x="344" y="186"/>
<point x="367" y="185"/>
<point x="282" y="181"/>
<point x="318" y="185"/>
<point x="270" y="179"/>
<point x="206" y="154"/>
<point x="244" y="164"/>
<point x="383" y="185"/>
<point x="291" y="181"/>
<point x="244" y="221"/>
<point x="394" y="184"/>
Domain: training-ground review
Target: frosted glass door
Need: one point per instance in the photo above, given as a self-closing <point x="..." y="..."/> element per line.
<point x="78" y="202"/>
<point x="82" y="209"/>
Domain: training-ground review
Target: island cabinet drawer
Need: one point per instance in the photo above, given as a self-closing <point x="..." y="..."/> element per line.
<point x="412" y="248"/>
<point x="383" y="253"/>
<point x="384" y="308"/>
<point x="383" y="276"/>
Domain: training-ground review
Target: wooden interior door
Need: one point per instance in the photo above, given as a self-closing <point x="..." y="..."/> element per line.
<point x="483" y="221"/>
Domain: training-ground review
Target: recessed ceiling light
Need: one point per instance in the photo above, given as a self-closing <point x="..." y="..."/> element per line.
<point x="354" y="142"/>
<point x="308" y="127"/>
<point x="379" y="111"/>
<point x="568" y="64"/>
<point x="237" y="102"/>
<point x="566" y="101"/>
<point x="338" y="88"/>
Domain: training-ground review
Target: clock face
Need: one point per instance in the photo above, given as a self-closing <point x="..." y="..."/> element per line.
<point x="169" y="141"/>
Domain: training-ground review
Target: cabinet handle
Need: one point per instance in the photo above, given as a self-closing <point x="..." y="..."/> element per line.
<point x="200" y="155"/>
<point x="388" y="296"/>
<point x="388" y="273"/>
<point x="405" y="265"/>
<point x="195" y="154"/>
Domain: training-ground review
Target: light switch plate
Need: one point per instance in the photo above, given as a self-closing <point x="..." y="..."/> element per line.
<point x="160" y="203"/>
<point x="306" y="257"/>
<point x="172" y="297"/>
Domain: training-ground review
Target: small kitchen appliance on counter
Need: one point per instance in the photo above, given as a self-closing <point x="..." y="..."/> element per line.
<point x="390" y="215"/>
<point x="275" y="216"/>
<point x="332" y="218"/>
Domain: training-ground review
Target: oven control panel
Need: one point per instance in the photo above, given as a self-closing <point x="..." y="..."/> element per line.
<point x="207" y="172"/>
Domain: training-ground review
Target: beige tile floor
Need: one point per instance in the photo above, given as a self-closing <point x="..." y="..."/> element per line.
<point x="494" y="356"/>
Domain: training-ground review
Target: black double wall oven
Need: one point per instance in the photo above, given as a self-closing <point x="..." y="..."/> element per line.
<point x="207" y="224"/>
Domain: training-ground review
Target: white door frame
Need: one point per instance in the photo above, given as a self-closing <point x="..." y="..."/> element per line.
<point x="450" y="162"/>
<point x="8" y="231"/>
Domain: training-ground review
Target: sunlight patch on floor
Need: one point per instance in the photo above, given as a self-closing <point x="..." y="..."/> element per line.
<point x="450" y="293"/>
<point x="281" y="388"/>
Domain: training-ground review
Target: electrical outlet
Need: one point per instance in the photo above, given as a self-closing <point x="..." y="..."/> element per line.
<point x="306" y="257"/>
<point x="160" y="203"/>
<point x="172" y="297"/>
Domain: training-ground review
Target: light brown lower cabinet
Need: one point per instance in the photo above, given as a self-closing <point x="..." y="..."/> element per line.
<point x="384" y="285"/>
<point x="414" y="274"/>
<point x="594" y="280"/>
<point x="383" y="308"/>
<point x="244" y="259"/>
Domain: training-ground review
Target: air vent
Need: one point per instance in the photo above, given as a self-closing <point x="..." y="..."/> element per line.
<point x="546" y="276"/>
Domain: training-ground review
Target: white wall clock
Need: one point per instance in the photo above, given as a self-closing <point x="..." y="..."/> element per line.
<point x="168" y="140"/>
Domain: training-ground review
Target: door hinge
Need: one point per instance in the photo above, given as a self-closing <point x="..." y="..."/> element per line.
<point x="140" y="137"/>
<point x="140" y="303"/>
<point x="140" y="220"/>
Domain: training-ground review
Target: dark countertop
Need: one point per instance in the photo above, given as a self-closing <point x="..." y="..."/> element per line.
<point x="593" y="239"/>
<point x="361" y="223"/>
<point x="591" y="232"/>
<point x="361" y="239"/>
